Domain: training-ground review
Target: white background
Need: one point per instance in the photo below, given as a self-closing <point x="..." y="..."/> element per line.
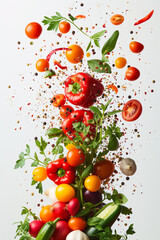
<point x="15" y="15"/>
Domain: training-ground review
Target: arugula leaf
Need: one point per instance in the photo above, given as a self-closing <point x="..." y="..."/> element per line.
<point x="111" y="43"/>
<point x="99" y="66"/>
<point x="74" y="88"/>
<point x="130" y="230"/>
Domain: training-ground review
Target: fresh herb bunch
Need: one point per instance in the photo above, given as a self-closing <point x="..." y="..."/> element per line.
<point x="23" y="226"/>
<point x="54" y="22"/>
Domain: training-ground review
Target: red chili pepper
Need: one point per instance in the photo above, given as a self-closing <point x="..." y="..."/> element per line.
<point x="60" y="172"/>
<point x="78" y="116"/>
<point x="54" y="51"/>
<point x="146" y="18"/>
<point x="80" y="16"/>
<point x="56" y="63"/>
<point x="82" y="90"/>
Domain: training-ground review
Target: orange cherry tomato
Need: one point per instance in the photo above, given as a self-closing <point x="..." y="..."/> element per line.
<point x="117" y="19"/>
<point x="75" y="157"/>
<point x="33" y="30"/>
<point x="47" y="214"/>
<point x="104" y="169"/>
<point x="58" y="100"/>
<point x="92" y="183"/>
<point x="65" y="192"/>
<point x="39" y="174"/>
<point x="77" y="223"/>
<point x="42" y="65"/>
<point x="64" y="27"/>
<point x="75" y="55"/>
<point x="65" y="111"/>
<point x="120" y="62"/>
<point x="136" y="47"/>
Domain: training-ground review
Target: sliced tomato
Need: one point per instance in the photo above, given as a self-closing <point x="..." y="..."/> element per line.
<point x="132" y="110"/>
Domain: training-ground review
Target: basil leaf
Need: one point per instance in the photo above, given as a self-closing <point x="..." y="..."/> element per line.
<point x="89" y="45"/>
<point x="96" y="42"/>
<point x="111" y="43"/>
<point x="96" y="110"/>
<point x="99" y="66"/>
<point x="98" y="34"/>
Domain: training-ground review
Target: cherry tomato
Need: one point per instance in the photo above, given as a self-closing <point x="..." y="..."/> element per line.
<point x="132" y="110"/>
<point x="75" y="157"/>
<point x="120" y="62"/>
<point x="75" y="55"/>
<point x="64" y="27"/>
<point x="58" y="100"/>
<point x="92" y="183"/>
<point x="34" y="227"/>
<point x="104" y="169"/>
<point x="64" y="192"/>
<point x="39" y="174"/>
<point x="77" y="223"/>
<point x="132" y="74"/>
<point x="60" y="209"/>
<point x="136" y="47"/>
<point x="117" y="19"/>
<point x="61" y="231"/>
<point x="65" y="111"/>
<point x="33" y="30"/>
<point x="47" y="214"/>
<point x="42" y="65"/>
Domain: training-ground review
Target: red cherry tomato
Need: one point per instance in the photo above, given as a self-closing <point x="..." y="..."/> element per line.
<point x="73" y="206"/>
<point x="136" y="47"/>
<point x="132" y="74"/>
<point x="64" y="27"/>
<point x="34" y="227"/>
<point x="75" y="157"/>
<point x="60" y="209"/>
<point x="33" y="30"/>
<point x="132" y="110"/>
<point x="58" y="100"/>
<point x="61" y="231"/>
<point x="65" y="111"/>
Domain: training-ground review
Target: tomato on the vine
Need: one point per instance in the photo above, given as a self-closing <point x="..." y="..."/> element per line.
<point x="120" y="62"/>
<point x="92" y="183"/>
<point x="42" y="65"/>
<point x="47" y="214"/>
<point x="39" y="174"/>
<point x="75" y="55"/>
<point x="64" y="27"/>
<point x="136" y="47"/>
<point x="75" y="157"/>
<point x="117" y="19"/>
<point x="33" y="30"/>
<point x="77" y="223"/>
<point x="132" y="74"/>
<point x="132" y="110"/>
<point x="65" y="111"/>
<point x="64" y="192"/>
<point x="58" y="100"/>
<point x="104" y="169"/>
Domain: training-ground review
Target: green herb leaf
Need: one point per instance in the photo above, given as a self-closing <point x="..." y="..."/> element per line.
<point x="96" y="42"/>
<point x="130" y="230"/>
<point x="57" y="150"/>
<point x="89" y="45"/>
<point x="21" y="161"/>
<point x="72" y="18"/>
<point x="87" y="171"/>
<point x="101" y="154"/>
<point x="119" y="197"/>
<point x="113" y="112"/>
<point x="96" y="110"/>
<point x="125" y="210"/>
<point x="39" y="187"/>
<point x="99" y="66"/>
<point x="111" y="43"/>
<point x="49" y="73"/>
<point x="33" y="182"/>
<point x="94" y="221"/>
<point x="98" y="34"/>
<point x="113" y="144"/>
<point x="74" y="88"/>
<point x="27" y="149"/>
<point x="107" y="104"/>
<point x="105" y="59"/>
<point x="83" y="212"/>
<point x="54" y="132"/>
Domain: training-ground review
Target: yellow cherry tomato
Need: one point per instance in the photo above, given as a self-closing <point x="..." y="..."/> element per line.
<point x="39" y="174"/>
<point x="65" y="192"/>
<point x="92" y="183"/>
<point x="70" y="146"/>
<point x="120" y="62"/>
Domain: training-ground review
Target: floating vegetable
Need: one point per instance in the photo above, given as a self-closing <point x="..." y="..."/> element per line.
<point x="33" y="30"/>
<point x="75" y="54"/>
<point x="132" y="74"/>
<point x="113" y="87"/>
<point x="128" y="166"/>
<point x="132" y="110"/>
<point x="64" y="27"/>
<point x="146" y="18"/>
<point x="77" y="235"/>
<point x="120" y="62"/>
<point x="117" y="19"/>
<point x="136" y="47"/>
<point x="49" y="73"/>
<point x="42" y="65"/>
<point x="56" y="63"/>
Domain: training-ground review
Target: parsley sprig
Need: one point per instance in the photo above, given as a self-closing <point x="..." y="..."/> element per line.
<point x="54" y="22"/>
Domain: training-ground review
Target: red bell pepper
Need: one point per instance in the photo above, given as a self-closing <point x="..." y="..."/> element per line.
<point x="78" y="116"/>
<point x="60" y="172"/>
<point x="81" y="89"/>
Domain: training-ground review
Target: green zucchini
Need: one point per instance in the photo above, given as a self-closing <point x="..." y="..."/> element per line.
<point x="47" y="230"/>
<point x="109" y="214"/>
